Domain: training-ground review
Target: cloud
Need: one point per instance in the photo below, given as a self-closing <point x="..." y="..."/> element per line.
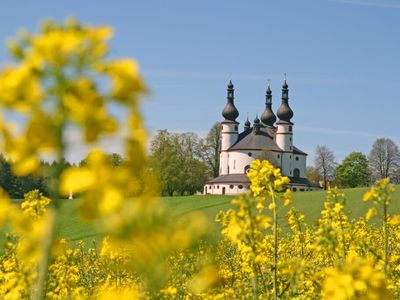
<point x="374" y="3"/>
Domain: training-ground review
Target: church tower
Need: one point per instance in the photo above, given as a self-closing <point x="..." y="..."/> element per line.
<point x="229" y="130"/>
<point x="268" y="117"/>
<point x="284" y="132"/>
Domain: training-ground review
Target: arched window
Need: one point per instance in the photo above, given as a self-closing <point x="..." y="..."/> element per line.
<point x="296" y="173"/>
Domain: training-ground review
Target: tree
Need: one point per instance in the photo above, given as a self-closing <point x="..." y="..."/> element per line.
<point x="384" y="159"/>
<point x="353" y="171"/>
<point x="313" y="174"/>
<point x="115" y="160"/>
<point x="325" y="163"/>
<point x="6" y="175"/>
<point x="209" y="149"/>
<point x="174" y="160"/>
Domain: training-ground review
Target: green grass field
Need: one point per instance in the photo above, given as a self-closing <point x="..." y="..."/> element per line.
<point x="71" y="227"/>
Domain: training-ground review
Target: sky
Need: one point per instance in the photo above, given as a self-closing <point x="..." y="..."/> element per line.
<point x="341" y="58"/>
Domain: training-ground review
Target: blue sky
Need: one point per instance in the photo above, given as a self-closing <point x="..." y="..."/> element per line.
<point x="341" y="58"/>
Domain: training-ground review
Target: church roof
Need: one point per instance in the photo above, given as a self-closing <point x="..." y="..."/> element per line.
<point x="298" y="151"/>
<point x="263" y="139"/>
<point x="231" y="178"/>
<point x="242" y="178"/>
<point x="249" y="139"/>
<point x="299" y="181"/>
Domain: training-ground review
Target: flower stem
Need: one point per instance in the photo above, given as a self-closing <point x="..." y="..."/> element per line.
<point x="275" y="229"/>
<point x="385" y="236"/>
<point x="53" y="189"/>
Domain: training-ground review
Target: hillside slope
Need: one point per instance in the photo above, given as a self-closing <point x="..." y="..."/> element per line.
<point x="70" y="226"/>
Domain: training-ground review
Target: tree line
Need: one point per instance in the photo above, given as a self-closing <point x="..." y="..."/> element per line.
<point x="183" y="162"/>
<point x="17" y="186"/>
<point x="357" y="169"/>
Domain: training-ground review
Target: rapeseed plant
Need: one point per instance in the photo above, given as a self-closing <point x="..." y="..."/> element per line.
<point x="62" y="79"/>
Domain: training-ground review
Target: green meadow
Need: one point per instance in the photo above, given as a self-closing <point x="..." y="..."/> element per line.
<point x="73" y="228"/>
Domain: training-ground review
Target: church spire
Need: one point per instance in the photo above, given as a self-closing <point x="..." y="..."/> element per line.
<point x="247" y="124"/>
<point x="284" y="112"/>
<point x="256" y="125"/>
<point x="230" y="112"/>
<point x="268" y="117"/>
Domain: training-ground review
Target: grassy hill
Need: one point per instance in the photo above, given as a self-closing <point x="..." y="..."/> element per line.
<point x="70" y="226"/>
<point x="309" y="203"/>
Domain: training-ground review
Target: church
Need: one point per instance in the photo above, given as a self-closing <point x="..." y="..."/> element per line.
<point x="266" y="139"/>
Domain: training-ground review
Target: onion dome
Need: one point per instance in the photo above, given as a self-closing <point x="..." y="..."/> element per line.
<point x="268" y="117"/>
<point x="257" y="125"/>
<point x="247" y="124"/>
<point x="257" y="120"/>
<point x="230" y="112"/>
<point x="284" y="112"/>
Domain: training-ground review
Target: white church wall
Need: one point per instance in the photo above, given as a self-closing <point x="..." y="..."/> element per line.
<point x="225" y="189"/>
<point x="300" y="188"/>
<point x="287" y="164"/>
<point x="229" y="134"/>
<point x="238" y="160"/>
<point x="300" y="164"/>
<point x="284" y="136"/>
<point x="223" y="163"/>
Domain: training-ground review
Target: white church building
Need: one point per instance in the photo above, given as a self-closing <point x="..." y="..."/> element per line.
<point x="266" y="139"/>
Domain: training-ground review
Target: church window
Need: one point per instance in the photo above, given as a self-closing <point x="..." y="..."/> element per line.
<point x="250" y="154"/>
<point x="234" y="164"/>
<point x="290" y="128"/>
<point x="296" y="173"/>
<point x="279" y="156"/>
<point x="290" y="156"/>
<point x="240" y="186"/>
<point x="290" y="148"/>
<point x="297" y="158"/>
<point x="218" y="187"/>
<point x="236" y="128"/>
<point x="231" y="186"/>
